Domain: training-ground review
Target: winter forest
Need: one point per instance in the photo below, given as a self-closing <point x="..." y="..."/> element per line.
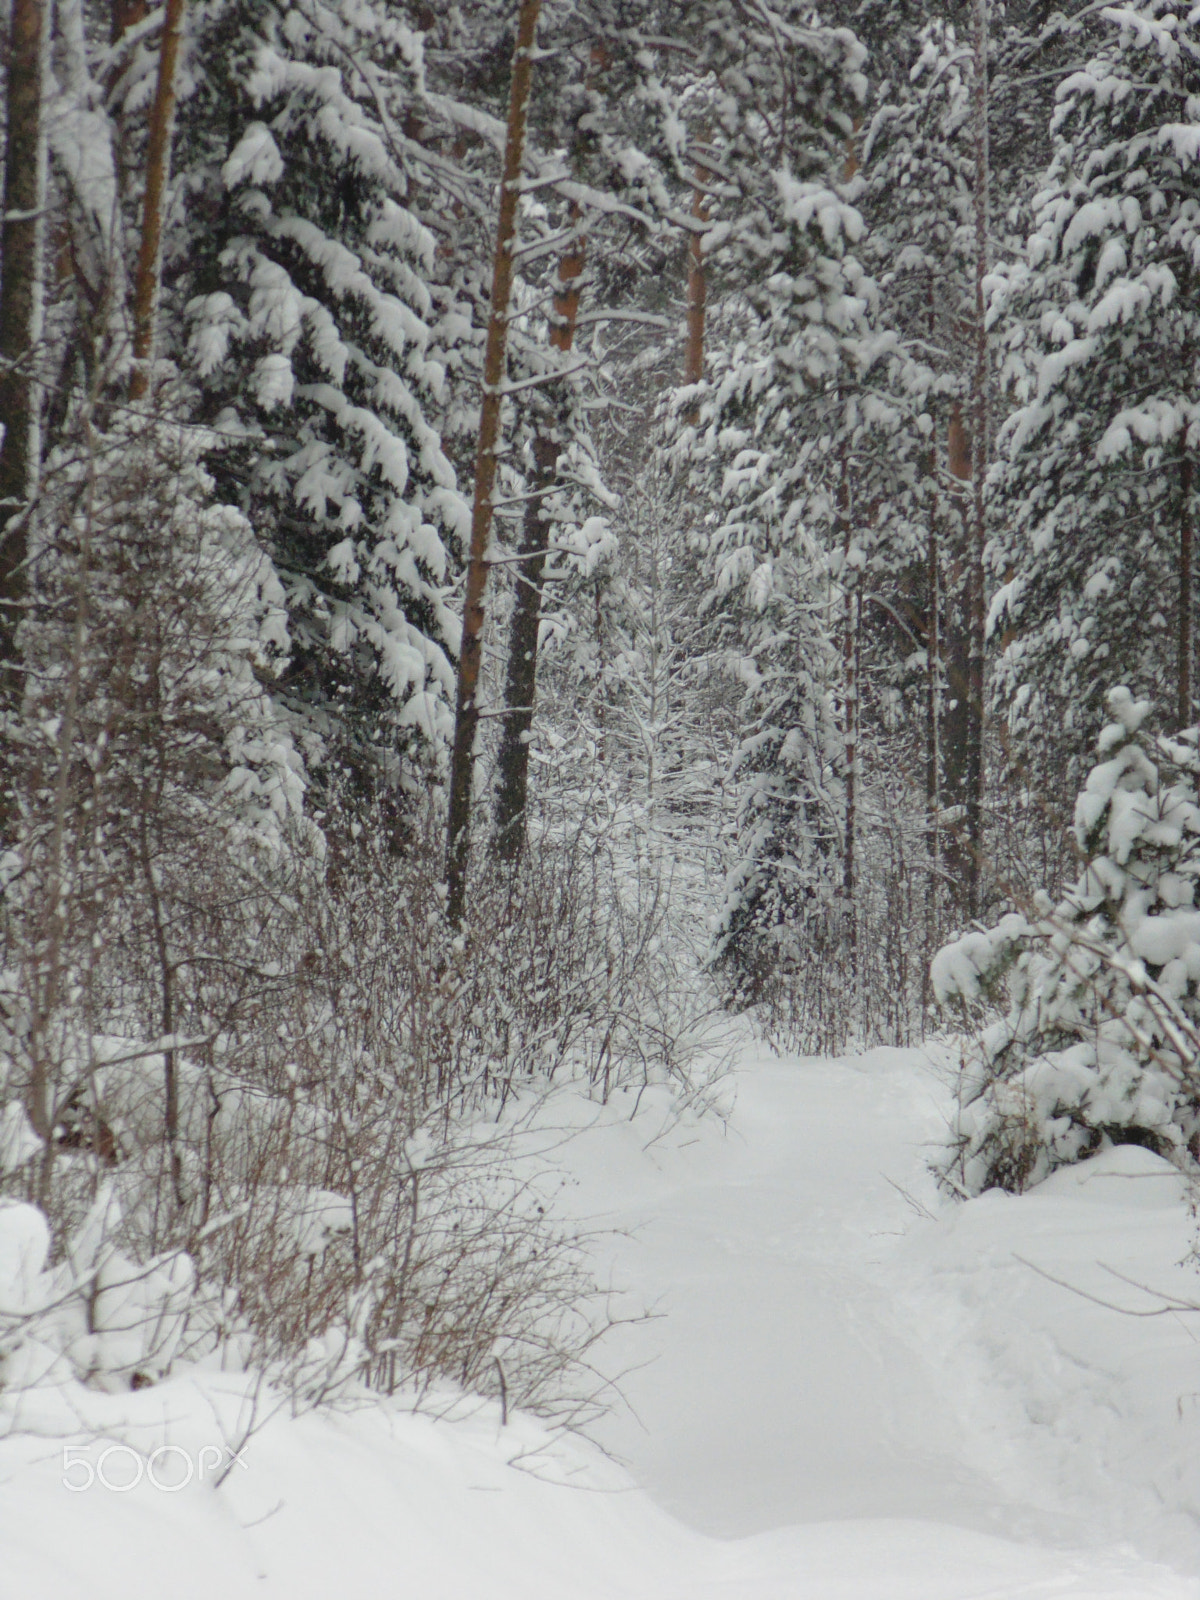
<point x="540" y="541"/>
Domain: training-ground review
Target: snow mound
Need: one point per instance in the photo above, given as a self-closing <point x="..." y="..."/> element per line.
<point x="1125" y="1175"/>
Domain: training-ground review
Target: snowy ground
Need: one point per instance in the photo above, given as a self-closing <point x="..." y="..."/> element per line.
<point x="853" y="1392"/>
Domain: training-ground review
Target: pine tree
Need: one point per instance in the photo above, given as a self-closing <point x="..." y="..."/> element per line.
<point x="466" y="721"/>
<point x="604" y="224"/>
<point x="928" y="182"/>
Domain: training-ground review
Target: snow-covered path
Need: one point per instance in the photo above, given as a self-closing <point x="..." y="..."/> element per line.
<point x="783" y="1389"/>
<point x="853" y="1392"/>
<point x="807" y="1362"/>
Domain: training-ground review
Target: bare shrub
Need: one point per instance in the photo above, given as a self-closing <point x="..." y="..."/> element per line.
<point x="256" y="1050"/>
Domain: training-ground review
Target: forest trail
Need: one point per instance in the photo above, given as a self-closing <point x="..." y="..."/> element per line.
<point x="815" y="1360"/>
<point x="785" y="1386"/>
<point x="853" y="1392"/>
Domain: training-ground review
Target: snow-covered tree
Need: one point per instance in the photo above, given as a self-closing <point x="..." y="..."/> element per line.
<point x="21" y="236"/>
<point x="600" y="220"/>
<point x="1101" y="992"/>
<point x="766" y="501"/>
<point x="766" y="442"/>
<point x="1096" y="495"/>
<point x="327" y="354"/>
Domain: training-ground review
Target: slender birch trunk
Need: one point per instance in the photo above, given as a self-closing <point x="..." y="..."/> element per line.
<point x="20" y="312"/>
<point x="521" y="681"/>
<point x="466" y="722"/>
<point x="158" y="171"/>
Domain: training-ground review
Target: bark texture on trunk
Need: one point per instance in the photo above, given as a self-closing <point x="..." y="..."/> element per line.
<point x="20" y="312"/>
<point x="850" y="623"/>
<point x="466" y="721"/>
<point x="697" y="296"/>
<point x="850" y="733"/>
<point x="850" y="684"/>
<point x="512" y="791"/>
<point x="955" y="728"/>
<point x="933" y="752"/>
<point x="1187" y="557"/>
<point x="158" y="171"/>
<point x="126" y="14"/>
<point x="976" y="603"/>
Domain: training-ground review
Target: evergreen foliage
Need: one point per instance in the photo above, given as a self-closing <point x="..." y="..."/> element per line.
<point x="1097" y="1043"/>
<point x="1095" y="498"/>
<point x="328" y="355"/>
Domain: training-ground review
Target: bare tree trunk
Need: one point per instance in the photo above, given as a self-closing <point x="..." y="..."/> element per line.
<point x="158" y="169"/>
<point x="852" y="621"/>
<point x="521" y="681"/>
<point x="849" y="717"/>
<point x="20" y="314"/>
<point x="697" y="297"/>
<point x="976" y="607"/>
<point x="462" y="761"/>
<point x="126" y="14"/>
<point x="933" y="753"/>
<point x="1186" y="623"/>
<point x="850" y="732"/>
<point x="955" y="722"/>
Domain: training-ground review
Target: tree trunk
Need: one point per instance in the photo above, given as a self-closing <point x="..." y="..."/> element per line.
<point x="521" y="682"/>
<point x="850" y="732"/>
<point x="933" y="753"/>
<point x="158" y="169"/>
<point x="955" y="722"/>
<point x="466" y="721"/>
<point x="976" y="604"/>
<point x="849" y="714"/>
<point x="1186" y="623"/>
<point x="850" y="640"/>
<point x="126" y="14"/>
<point x="20" y="314"/>
<point x="697" y="297"/>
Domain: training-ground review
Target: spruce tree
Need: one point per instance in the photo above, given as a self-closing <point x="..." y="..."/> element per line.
<point x="1096" y="1043"/>
<point x="328" y="354"/>
<point x="1096" y="496"/>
